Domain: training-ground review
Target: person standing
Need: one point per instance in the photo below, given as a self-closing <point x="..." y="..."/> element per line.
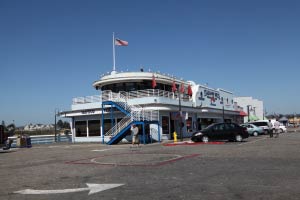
<point x="276" y="125"/>
<point x="270" y="126"/>
<point x="135" y="135"/>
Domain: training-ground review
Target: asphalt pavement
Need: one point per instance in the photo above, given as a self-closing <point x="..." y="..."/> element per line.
<point x="258" y="168"/>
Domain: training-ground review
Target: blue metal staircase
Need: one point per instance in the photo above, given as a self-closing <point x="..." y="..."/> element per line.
<point x="133" y="114"/>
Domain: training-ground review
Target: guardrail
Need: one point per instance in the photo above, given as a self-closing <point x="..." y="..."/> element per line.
<point x="44" y="139"/>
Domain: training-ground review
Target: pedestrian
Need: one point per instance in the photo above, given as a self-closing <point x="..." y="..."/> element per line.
<point x="135" y="135"/>
<point x="270" y="126"/>
<point x="276" y="125"/>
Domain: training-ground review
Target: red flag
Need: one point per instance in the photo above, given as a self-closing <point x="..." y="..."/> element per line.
<point x="212" y="99"/>
<point x="174" y="88"/>
<point x="119" y="42"/>
<point x="153" y="81"/>
<point x="190" y="92"/>
<point x="182" y="88"/>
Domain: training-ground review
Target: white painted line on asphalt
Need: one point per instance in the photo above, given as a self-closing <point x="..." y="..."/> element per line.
<point x="107" y="149"/>
<point x="92" y="188"/>
<point x="253" y="141"/>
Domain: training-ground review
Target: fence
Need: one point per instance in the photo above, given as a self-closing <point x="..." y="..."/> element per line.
<point x="44" y="139"/>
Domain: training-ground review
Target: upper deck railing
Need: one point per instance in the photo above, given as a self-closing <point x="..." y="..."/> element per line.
<point x="130" y="95"/>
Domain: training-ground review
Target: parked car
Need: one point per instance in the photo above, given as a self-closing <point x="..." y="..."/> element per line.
<point x="262" y="124"/>
<point x="253" y="130"/>
<point x="221" y="131"/>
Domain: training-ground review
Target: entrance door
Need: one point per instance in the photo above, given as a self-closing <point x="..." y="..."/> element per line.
<point x="165" y="125"/>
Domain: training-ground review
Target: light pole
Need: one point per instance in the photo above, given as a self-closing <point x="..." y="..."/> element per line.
<point x="180" y="115"/>
<point x="223" y="111"/>
<point x="248" y="111"/>
<point x="55" y="125"/>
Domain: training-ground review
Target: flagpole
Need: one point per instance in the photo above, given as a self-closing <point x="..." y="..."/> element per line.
<point x="114" y="53"/>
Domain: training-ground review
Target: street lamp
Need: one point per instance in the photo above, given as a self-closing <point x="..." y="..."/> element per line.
<point x="223" y="113"/>
<point x="248" y="111"/>
<point x="180" y="115"/>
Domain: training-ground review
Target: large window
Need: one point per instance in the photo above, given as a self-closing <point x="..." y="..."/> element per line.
<point x="80" y="127"/>
<point x="94" y="128"/>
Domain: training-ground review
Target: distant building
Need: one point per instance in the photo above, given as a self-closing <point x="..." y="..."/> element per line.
<point x="34" y="127"/>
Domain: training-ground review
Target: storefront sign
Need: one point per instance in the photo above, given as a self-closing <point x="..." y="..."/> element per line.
<point x="87" y="112"/>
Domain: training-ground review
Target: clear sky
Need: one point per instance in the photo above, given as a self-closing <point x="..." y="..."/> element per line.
<point x="53" y="50"/>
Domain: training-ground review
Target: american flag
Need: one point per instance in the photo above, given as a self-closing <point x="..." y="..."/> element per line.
<point x="119" y="42"/>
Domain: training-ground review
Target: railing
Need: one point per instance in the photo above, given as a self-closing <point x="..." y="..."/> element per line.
<point x="87" y="99"/>
<point x="119" y="126"/>
<point x="121" y="100"/>
<point x="153" y="93"/>
<point x="137" y="113"/>
<point x="107" y="94"/>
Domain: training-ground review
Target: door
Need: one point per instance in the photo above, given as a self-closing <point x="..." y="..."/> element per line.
<point x="218" y="132"/>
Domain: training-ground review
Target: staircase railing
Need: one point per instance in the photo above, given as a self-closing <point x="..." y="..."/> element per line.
<point x="137" y="113"/>
<point x="119" y="126"/>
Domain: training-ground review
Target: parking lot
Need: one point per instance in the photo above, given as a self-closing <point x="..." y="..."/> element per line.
<point x="259" y="168"/>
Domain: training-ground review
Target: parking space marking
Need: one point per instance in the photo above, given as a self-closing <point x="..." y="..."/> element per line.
<point x="254" y="141"/>
<point x="108" y="149"/>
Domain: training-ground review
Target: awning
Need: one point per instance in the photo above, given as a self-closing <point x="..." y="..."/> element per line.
<point x="253" y="118"/>
<point x="242" y="113"/>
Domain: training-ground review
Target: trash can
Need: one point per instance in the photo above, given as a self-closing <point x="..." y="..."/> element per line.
<point x="28" y="141"/>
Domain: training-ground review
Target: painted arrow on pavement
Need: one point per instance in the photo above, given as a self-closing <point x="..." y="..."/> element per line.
<point x="93" y="188"/>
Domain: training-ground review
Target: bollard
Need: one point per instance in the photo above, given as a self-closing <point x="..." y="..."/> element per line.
<point x="175" y="136"/>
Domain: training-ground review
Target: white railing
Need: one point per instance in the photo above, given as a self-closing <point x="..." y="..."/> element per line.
<point x="108" y="95"/>
<point x="153" y="93"/>
<point x="119" y="126"/>
<point x="87" y="99"/>
<point x="136" y="111"/>
<point x="121" y="100"/>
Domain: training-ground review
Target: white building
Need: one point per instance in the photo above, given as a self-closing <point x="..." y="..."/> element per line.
<point x="147" y="99"/>
<point x="253" y="107"/>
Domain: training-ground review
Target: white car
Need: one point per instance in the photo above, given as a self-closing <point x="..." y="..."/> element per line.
<point x="282" y="128"/>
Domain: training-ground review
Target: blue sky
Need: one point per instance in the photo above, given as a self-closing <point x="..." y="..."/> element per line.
<point x="53" y="50"/>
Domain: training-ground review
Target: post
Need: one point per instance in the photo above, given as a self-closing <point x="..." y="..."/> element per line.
<point x="248" y="110"/>
<point x="114" y="53"/>
<point x="55" y="133"/>
<point x="223" y="114"/>
<point x="180" y="115"/>
<point x="102" y="124"/>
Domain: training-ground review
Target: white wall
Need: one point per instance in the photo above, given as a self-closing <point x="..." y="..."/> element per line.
<point x="254" y="103"/>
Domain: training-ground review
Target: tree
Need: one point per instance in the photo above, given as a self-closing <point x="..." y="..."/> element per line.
<point x="11" y="129"/>
<point x="60" y="124"/>
<point x="66" y="125"/>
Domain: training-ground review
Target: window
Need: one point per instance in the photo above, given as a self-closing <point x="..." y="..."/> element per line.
<point x="107" y="125"/>
<point x="94" y="128"/>
<point x="80" y="127"/>
<point x="189" y="127"/>
<point x="219" y="127"/>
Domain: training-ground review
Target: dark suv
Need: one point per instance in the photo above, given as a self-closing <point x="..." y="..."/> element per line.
<point x="221" y="131"/>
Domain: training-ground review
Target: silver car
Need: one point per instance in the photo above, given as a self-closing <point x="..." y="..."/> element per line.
<point x="253" y="130"/>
